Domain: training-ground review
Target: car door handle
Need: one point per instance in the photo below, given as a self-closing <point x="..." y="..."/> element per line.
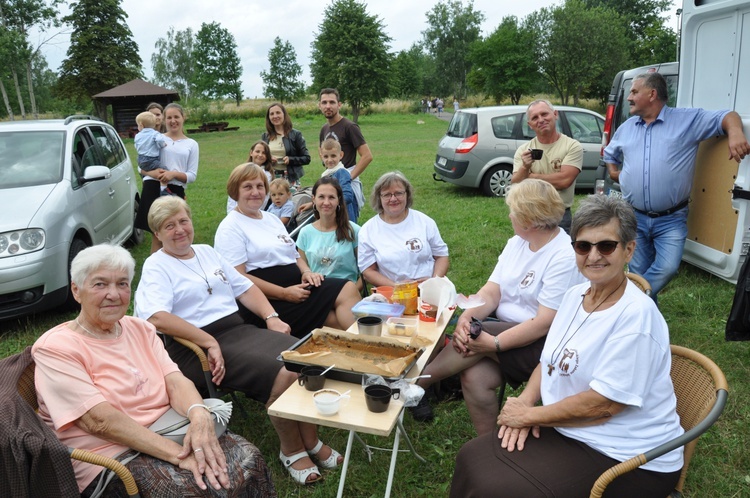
<point x="111" y="192"/>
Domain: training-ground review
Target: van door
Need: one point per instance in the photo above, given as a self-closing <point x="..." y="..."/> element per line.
<point x="715" y="74"/>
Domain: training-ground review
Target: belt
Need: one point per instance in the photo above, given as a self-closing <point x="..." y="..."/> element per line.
<point x="656" y="214"/>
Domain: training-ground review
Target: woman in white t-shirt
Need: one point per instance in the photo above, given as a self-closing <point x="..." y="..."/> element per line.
<point x="603" y="381"/>
<point x="257" y="244"/>
<point x="532" y="274"/>
<point x="399" y="244"/>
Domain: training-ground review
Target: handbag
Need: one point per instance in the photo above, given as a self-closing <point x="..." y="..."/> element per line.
<point x="174" y="426"/>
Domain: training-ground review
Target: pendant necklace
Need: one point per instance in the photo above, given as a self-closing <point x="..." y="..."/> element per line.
<point x="118" y="330"/>
<point x="561" y="346"/>
<point x="204" y="277"/>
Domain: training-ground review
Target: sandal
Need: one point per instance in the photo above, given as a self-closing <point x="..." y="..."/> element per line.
<point x="329" y="463"/>
<point x="299" y="475"/>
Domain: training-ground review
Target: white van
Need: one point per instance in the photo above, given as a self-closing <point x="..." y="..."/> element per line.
<point x="715" y="74"/>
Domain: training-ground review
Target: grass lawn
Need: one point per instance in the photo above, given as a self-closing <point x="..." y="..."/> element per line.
<point x="475" y="228"/>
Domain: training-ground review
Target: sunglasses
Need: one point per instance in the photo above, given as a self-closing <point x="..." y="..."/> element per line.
<point x="605" y="247"/>
<point x="475" y="328"/>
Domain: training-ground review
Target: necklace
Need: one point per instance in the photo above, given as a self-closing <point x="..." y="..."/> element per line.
<point x="118" y="330"/>
<point x="561" y="346"/>
<point x="204" y="276"/>
<point x="551" y="236"/>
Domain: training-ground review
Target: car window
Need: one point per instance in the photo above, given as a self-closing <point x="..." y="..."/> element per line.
<point x="502" y="126"/>
<point x="115" y="144"/>
<point x="584" y="127"/>
<point x="528" y="133"/>
<point x="463" y="125"/>
<point x="106" y="148"/>
<point x="31" y="158"/>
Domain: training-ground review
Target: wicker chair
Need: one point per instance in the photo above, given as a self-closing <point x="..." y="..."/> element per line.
<point x="701" y="390"/>
<point x="641" y="282"/>
<point x="27" y="390"/>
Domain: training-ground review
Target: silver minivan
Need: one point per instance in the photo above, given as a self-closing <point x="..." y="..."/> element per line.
<point x="478" y="148"/>
<point x="65" y="185"/>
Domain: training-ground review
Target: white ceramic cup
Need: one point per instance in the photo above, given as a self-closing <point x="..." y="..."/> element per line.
<point x="329" y="401"/>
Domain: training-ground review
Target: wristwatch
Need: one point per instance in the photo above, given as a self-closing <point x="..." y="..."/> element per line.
<point x="272" y="315"/>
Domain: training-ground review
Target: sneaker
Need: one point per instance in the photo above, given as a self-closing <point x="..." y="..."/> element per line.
<point x="423" y="411"/>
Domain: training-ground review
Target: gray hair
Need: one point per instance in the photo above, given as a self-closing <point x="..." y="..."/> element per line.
<point x="102" y="256"/>
<point x="539" y="101"/>
<point x="655" y="81"/>
<point x="599" y="210"/>
<point x="386" y="181"/>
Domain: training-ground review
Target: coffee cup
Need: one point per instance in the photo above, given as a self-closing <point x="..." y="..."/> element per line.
<point x="312" y="378"/>
<point x="536" y="154"/>
<point x="379" y="396"/>
<point x="329" y="401"/>
<point x="370" y="325"/>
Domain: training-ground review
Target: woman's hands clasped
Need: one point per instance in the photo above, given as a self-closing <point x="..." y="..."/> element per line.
<point x="512" y="431"/>
<point x="201" y="452"/>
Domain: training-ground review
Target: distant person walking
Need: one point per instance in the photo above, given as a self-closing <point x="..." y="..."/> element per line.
<point x="348" y="134"/>
<point x="456" y="105"/>
<point x="440" y="104"/>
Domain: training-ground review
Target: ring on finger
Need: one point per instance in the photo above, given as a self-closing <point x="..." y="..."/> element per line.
<point x="197" y="450"/>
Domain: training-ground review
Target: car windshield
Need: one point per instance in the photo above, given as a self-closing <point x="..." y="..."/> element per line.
<point x="30" y="158"/>
<point x="463" y="125"/>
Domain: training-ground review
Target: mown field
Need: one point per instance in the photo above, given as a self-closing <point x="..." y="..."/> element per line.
<point x="475" y="228"/>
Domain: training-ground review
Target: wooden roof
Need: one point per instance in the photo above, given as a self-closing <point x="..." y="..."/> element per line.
<point x="136" y="88"/>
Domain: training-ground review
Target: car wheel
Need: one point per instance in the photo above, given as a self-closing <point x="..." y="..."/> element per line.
<point x="76" y="246"/>
<point x="137" y="236"/>
<point x="496" y="181"/>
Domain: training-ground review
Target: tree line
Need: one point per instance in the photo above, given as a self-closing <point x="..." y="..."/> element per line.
<point x="571" y="50"/>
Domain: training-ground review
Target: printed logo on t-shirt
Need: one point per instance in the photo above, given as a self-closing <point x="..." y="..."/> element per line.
<point x="286" y="239"/>
<point x="568" y="362"/>
<point x="414" y="245"/>
<point x="528" y="279"/>
<point x="557" y="165"/>
<point x="220" y="273"/>
<point x="331" y="134"/>
<point x="140" y="381"/>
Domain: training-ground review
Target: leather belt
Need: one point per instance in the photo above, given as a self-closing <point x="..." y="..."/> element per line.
<point x="657" y="214"/>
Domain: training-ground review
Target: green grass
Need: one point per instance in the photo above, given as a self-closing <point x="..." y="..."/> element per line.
<point x="475" y="228"/>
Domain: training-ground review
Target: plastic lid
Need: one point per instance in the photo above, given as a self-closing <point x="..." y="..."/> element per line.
<point x="378" y="309"/>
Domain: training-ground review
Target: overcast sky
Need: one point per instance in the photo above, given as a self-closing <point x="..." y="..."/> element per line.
<point x="255" y="24"/>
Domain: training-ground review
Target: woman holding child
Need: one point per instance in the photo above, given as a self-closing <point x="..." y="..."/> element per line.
<point x="329" y="245"/>
<point x="399" y="244"/>
<point x="179" y="166"/>
<point x="257" y="244"/>
<point x="288" y="148"/>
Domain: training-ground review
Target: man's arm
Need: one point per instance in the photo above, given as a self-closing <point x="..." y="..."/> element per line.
<point x="561" y="179"/>
<point x="738" y="146"/>
<point x="614" y="172"/>
<point x="365" y="158"/>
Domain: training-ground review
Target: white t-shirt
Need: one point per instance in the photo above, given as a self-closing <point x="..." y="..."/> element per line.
<point x="528" y="279"/>
<point x="259" y="243"/>
<point x="178" y="286"/>
<point x="623" y="354"/>
<point x="180" y="155"/>
<point x="403" y="251"/>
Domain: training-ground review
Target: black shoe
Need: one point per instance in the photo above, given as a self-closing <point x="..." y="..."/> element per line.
<point x="423" y="411"/>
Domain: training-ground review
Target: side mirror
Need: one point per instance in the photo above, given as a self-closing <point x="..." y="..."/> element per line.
<point x="95" y="173"/>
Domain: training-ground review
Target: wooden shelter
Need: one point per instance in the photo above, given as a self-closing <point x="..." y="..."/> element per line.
<point x="130" y="99"/>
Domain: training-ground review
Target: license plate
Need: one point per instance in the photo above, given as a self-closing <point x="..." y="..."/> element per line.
<point x="615" y="193"/>
<point x="442" y="161"/>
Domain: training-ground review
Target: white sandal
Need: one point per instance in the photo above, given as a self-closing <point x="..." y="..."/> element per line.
<point x="299" y="475"/>
<point x="329" y="463"/>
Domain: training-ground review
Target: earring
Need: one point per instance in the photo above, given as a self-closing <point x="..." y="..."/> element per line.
<point x="338" y="208"/>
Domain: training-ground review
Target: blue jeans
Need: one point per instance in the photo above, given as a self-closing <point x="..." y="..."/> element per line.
<point x="658" y="250"/>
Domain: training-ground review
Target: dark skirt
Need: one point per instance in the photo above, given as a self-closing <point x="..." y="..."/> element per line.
<point x="553" y="466"/>
<point x="516" y="364"/>
<point x="149" y="193"/>
<point x="249" y="475"/>
<point x="249" y="356"/>
<point x="310" y="313"/>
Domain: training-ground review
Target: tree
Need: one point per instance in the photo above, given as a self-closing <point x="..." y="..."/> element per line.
<point x="578" y="48"/>
<point x="218" y="68"/>
<point x="173" y="62"/>
<point x="350" y="53"/>
<point x="504" y="64"/>
<point x="650" y="41"/>
<point x="102" y="53"/>
<point x="453" y="28"/>
<point x="282" y="82"/>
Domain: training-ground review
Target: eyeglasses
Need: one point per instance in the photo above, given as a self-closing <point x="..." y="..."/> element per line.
<point x="398" y="195"/>
<point x="475" y="328"/>
<point x="605" y="247"/>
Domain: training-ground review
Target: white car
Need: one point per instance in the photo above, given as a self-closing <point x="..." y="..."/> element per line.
<point x="65" y="185"/>
<point x="478" y="148"/>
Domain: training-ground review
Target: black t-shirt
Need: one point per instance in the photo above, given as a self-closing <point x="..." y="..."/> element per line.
<point x="348" y="134"/>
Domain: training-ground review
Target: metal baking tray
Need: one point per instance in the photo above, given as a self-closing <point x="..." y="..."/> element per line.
<point x="336" y="373"/>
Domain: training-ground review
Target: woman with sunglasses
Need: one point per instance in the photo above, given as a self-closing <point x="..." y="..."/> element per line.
<point x="399" y="244"/>
<point x="532" y="274"/>
<point x="603" y="381"/>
